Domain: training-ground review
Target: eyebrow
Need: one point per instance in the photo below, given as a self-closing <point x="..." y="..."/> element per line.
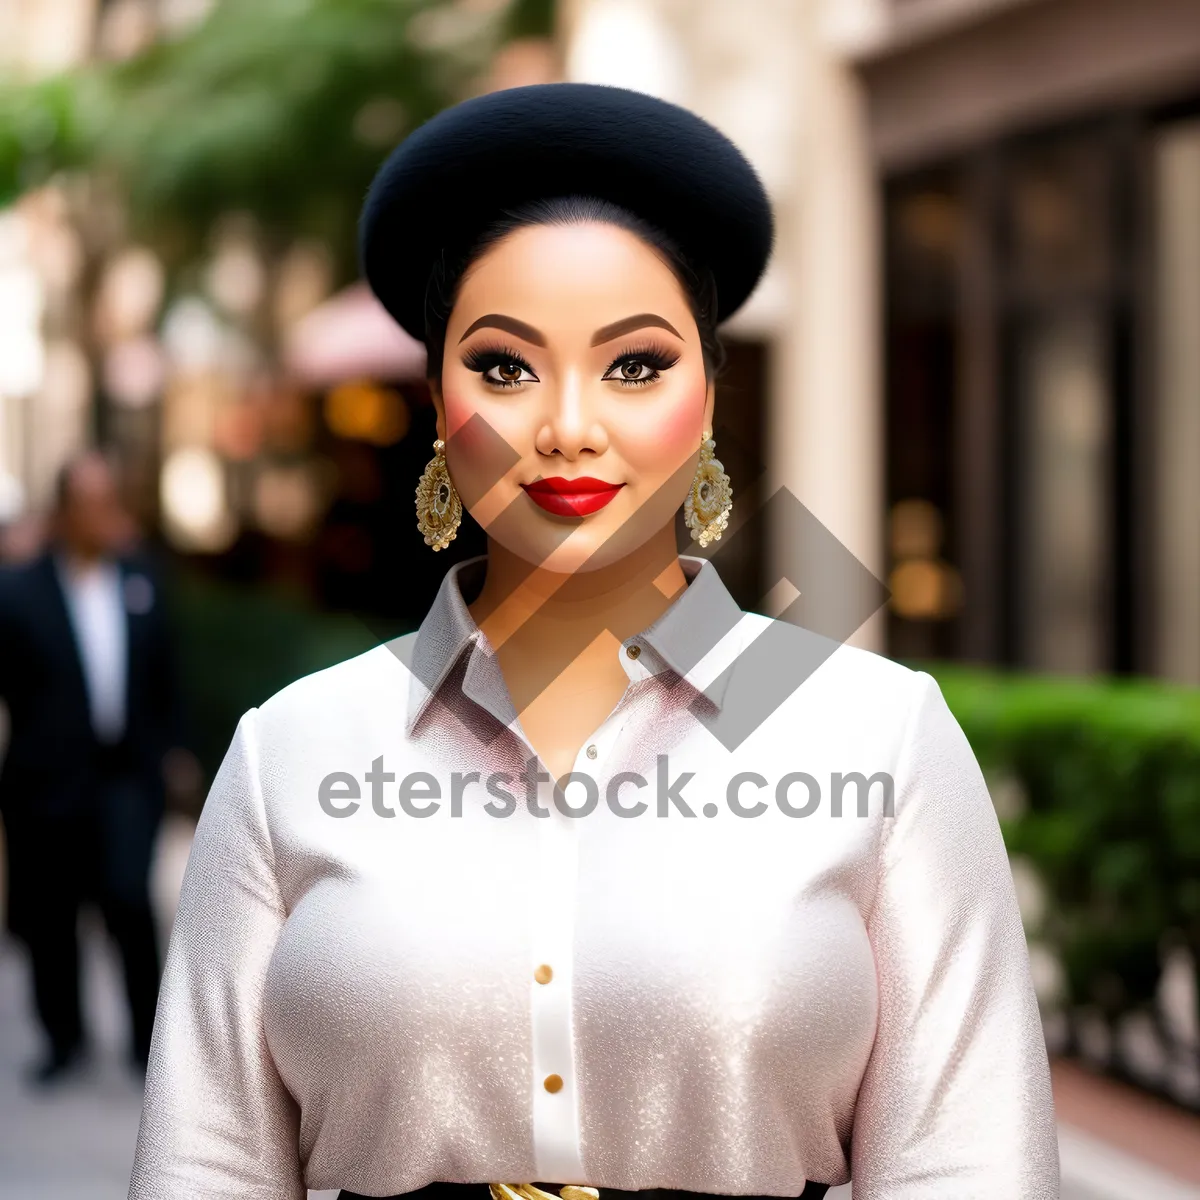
<point x="605" y="334"/>
<point x="629" y="324"/>
<point x="509" y="325"/>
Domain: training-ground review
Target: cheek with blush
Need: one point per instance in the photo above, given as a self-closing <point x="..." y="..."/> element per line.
<point x="482" y="429"/>
<point x="459" y="410"/>
<point x="667" y="437"/>
<point x="482" y="446"/>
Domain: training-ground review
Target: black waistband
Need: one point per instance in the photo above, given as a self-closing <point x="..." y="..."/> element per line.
<point x="478" y="1191"/>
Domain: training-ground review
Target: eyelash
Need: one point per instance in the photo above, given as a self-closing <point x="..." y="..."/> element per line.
<point x="482" y="359"/>
<point x="656" y="358"/>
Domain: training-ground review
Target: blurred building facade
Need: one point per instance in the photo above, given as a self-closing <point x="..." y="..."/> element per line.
<point x="982" y="370"/>
<point x="1039" y="166"/>
<point x="79" y="303"/>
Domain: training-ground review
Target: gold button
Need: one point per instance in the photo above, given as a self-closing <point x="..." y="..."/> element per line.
<point x="552" y="1083"/>
<point x="592" y="751"/>
<point x="543" y="974"/>
<point x="633" y="651"/>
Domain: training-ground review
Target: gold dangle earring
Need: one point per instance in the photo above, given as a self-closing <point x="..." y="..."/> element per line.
<point x="707" y="507"/>
<point x="439" y="509"/>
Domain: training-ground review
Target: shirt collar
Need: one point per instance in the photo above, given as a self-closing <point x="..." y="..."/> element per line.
<point x="77" y="577"/>
<point x="698" y="619"/>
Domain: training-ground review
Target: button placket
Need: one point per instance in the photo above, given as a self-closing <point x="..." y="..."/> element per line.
<point x="557" y="1151"/>
<point x="557" y="1148"/>
<point x="594" y="754"/>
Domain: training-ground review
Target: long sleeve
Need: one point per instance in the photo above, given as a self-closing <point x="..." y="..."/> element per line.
<point x="955" y="1101"/>
<point x="217" y="1122"/>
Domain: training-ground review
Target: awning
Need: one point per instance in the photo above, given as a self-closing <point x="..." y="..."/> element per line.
<point x="351" y="336"/>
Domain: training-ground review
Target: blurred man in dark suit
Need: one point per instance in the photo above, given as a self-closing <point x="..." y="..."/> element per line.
<point x="86" y="673"/>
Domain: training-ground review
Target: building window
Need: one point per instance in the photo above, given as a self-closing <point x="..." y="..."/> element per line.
<point x="1043" y="401"/>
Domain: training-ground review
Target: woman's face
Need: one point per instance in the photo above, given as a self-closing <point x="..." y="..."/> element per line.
<point x="573" y="397"/>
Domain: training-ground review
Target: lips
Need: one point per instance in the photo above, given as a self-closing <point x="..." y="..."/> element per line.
<point x="571" y="497"/>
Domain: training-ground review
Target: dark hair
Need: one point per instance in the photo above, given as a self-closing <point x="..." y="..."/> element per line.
<point x="448" y="271"/>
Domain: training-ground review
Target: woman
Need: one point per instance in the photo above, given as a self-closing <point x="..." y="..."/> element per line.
<point x="546" y="891"/>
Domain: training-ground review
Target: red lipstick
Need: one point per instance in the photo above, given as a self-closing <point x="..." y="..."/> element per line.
<point x="571" y="497"/>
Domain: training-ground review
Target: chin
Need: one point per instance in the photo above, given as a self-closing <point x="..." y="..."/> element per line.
<point x="578" y="556"/>
<point x="592" y="546"/>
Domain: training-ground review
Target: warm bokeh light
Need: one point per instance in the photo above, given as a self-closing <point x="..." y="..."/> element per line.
<point x="235" y="278"/>
<point x="925" y="590"/>
<point x="302" y="281"/>
<point x="12" y="498"/>
<point x="288" y="416"/>
<point x="916" y="529"/>
<point x="191" y="404"/>
<point x="22" y="356"/>
<point x="191" y="334"/>
<point x="238" y="430"/>
<point x="287" y="500"/>
<point x="195" y="505"/>
<point x="131" y="291"/>
<point x="366" y="412"/>
<point x="134" y="372"/>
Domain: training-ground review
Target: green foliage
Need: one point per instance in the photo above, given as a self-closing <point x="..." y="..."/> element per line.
<point x="283" y="108"/>
<point x="262" y="107"/>
<point x="531" y="18"/>
<point x="43" y="129"/>
<point x="1111" y="773"/>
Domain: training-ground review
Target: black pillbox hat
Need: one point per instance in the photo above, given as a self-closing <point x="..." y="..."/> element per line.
<point x="459" y="171"/>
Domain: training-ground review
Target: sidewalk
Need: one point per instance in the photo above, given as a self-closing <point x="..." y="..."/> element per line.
<point x="1115" y="1137"/>
<point x="77" y="1143"/>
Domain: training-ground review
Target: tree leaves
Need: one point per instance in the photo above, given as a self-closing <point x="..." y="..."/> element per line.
<point x="284" y="108"/>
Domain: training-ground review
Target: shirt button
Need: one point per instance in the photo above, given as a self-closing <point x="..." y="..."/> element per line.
<point x="633" y="651"/>
<point x="543" y="974"/>
<point x="552" y="1083"/>
<point x="592" y="751"/>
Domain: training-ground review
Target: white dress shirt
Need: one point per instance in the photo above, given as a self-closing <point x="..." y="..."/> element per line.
<point x="96" y="606"/>
<point x="717" y="1002"/>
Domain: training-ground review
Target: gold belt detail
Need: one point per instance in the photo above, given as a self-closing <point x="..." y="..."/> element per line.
<point x="526" y="1191"/>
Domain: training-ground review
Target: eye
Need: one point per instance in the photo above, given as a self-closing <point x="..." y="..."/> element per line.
<point x="633" y="370"/>
<point x="509" y="373"/>
<point x="636" y="367"/>
<point x="500" y="368"/>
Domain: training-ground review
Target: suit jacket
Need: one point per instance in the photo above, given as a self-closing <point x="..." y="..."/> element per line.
<point x="51" y="761"/>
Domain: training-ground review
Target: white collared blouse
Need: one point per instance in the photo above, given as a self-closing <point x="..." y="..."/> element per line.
<point x="402" y="957"/>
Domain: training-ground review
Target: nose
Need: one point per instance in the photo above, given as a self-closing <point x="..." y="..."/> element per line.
<point x="571" y="424"/>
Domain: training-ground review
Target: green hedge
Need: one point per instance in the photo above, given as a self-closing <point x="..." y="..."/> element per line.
<point x="1108" y="777"/>
<point x="240" y="644"/>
